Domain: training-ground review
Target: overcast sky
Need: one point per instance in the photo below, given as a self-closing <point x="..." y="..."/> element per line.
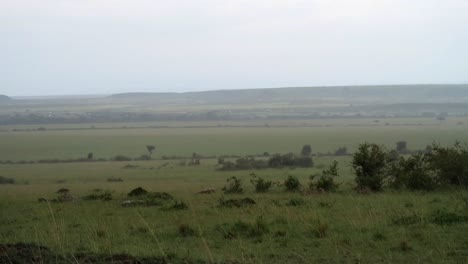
<point x="52" y="47"/>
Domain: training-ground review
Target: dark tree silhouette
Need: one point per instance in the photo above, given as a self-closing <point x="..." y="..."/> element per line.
<point x="150" y="149"/>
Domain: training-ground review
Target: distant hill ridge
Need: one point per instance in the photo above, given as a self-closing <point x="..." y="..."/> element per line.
<point x="4" y="98"/>
<point x="310" y="93"/>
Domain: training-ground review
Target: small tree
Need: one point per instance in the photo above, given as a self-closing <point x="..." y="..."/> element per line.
<point x="260" y="184"/>
<point x="306" y="150"/>
<point x="292" y="184"/>
<point x="233" y="185"/>
<point x="369" y="165"/>
<point x="90" y="156"/>
<point x="341" y="151"/>
<point x="401" y="147"/>
<point x="150" y="149"/>
<point x="326" y="181"/>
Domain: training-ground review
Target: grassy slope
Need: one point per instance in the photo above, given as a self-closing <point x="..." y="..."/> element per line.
<point x="360" y="228"/>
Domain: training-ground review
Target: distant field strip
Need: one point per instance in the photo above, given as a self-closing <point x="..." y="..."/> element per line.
<point x="212" y="141"/>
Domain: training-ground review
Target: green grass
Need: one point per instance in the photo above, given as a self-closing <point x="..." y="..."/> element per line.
<point x="211" y="141"/>
<point x="341" y="227"/>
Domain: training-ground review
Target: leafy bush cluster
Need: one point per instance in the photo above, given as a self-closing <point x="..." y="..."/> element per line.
<point x="244" y="163"/>
<point x="435" y="167"/>
<point x="5" y="180"/>
<point x="260" y="184"/>
<point x="233" y="185"/>
<point x="290" y="160"/>
<point x="325" y="181"/>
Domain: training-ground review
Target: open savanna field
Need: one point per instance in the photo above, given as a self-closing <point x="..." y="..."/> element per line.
<point x="281" y="227"/>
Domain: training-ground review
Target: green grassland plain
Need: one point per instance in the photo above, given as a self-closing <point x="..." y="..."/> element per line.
<point x="341" y="227"/>
<point x="213" y="140"/>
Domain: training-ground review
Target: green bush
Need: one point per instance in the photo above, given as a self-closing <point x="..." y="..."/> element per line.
<point x="292" y="184"/>
<point x="5" y="180"/>
<point x="260" y="184"/>
<point x="369" y="163"/>
<point x="290" y="160"/>
<point x="326" y="180"/>
<point x="450" y="164"/>
<point x="233" y="185"/>
<point x="412" y="173"/>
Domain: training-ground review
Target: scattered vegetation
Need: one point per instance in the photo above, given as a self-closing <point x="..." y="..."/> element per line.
<point x="234" y="185"/>
<point x="236" y="202"/>
<point x="5" y="180"/>
<point x="292" y="184"/>
<point x="260" y="184"/>
<point x="326" y="181"/>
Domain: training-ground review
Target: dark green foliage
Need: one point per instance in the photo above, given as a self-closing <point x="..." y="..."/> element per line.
<point x="150" y="149"/>
<point x="401" y="147"/>
<point x="341" y="151"/>
<point x="292" y="184"/>
<point x="369" y="163"/>
<point x="90" y="156"/>
<point x="5" y="180"/>
<point x="33" y="253"/>
<point x="236" y="202"/>
<point x="306" y="150"/>
<point x="121" y="158"/>
<point x="260" y="184"/>
<point x="326" y="180"/>
<point x="412" y="173"/>
<point x="99" y="195"/>
<point x="244" y="163"/>
<point x="160" y="195"/>
<point x="186" y="230"/>
<point x="241" y="229"/>
<point x="443" y="217"/>
<point x="138" y="192"/>
<point x="408" y="220"/>
<point x="233" y="185"/>
<point x="295" y="202"/>
<point x="450" y="164"/>
<point x="320" y="230"/>
<point x="290" y="160"/>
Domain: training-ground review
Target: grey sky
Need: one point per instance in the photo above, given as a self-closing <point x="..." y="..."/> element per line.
<point x="108" y="46"/>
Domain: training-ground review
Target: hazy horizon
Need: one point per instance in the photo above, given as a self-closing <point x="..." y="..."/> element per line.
<point x="106" y="47"/>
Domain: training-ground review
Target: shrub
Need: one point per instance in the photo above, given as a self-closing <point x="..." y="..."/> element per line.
<point x="450" y="164"/>
<point x="290" y="160"/>
<point x="326" y="181"/>
<point x="443" y="217"/>
<point x="138" y="192"/>
<point x="306" y="150"/>
<point x="186" y="230"/>
<point x="113" y="179"/>
<point x="341" y="151"/>
<point x="295" y="202"/>
<point x="233" y="185"/>
<point x="99" y="195"/>
<point x="236" y="202"/>
<point x="401" y="147"/>
<point x="369" y="163"/>
<point x="4" y="180"/>
<point x="260" y="184"/>
<point x="244" y="163"/>
<point x="244" y="229"/>
<point x="412" y="173"/>
<point x="292" y="184"/>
